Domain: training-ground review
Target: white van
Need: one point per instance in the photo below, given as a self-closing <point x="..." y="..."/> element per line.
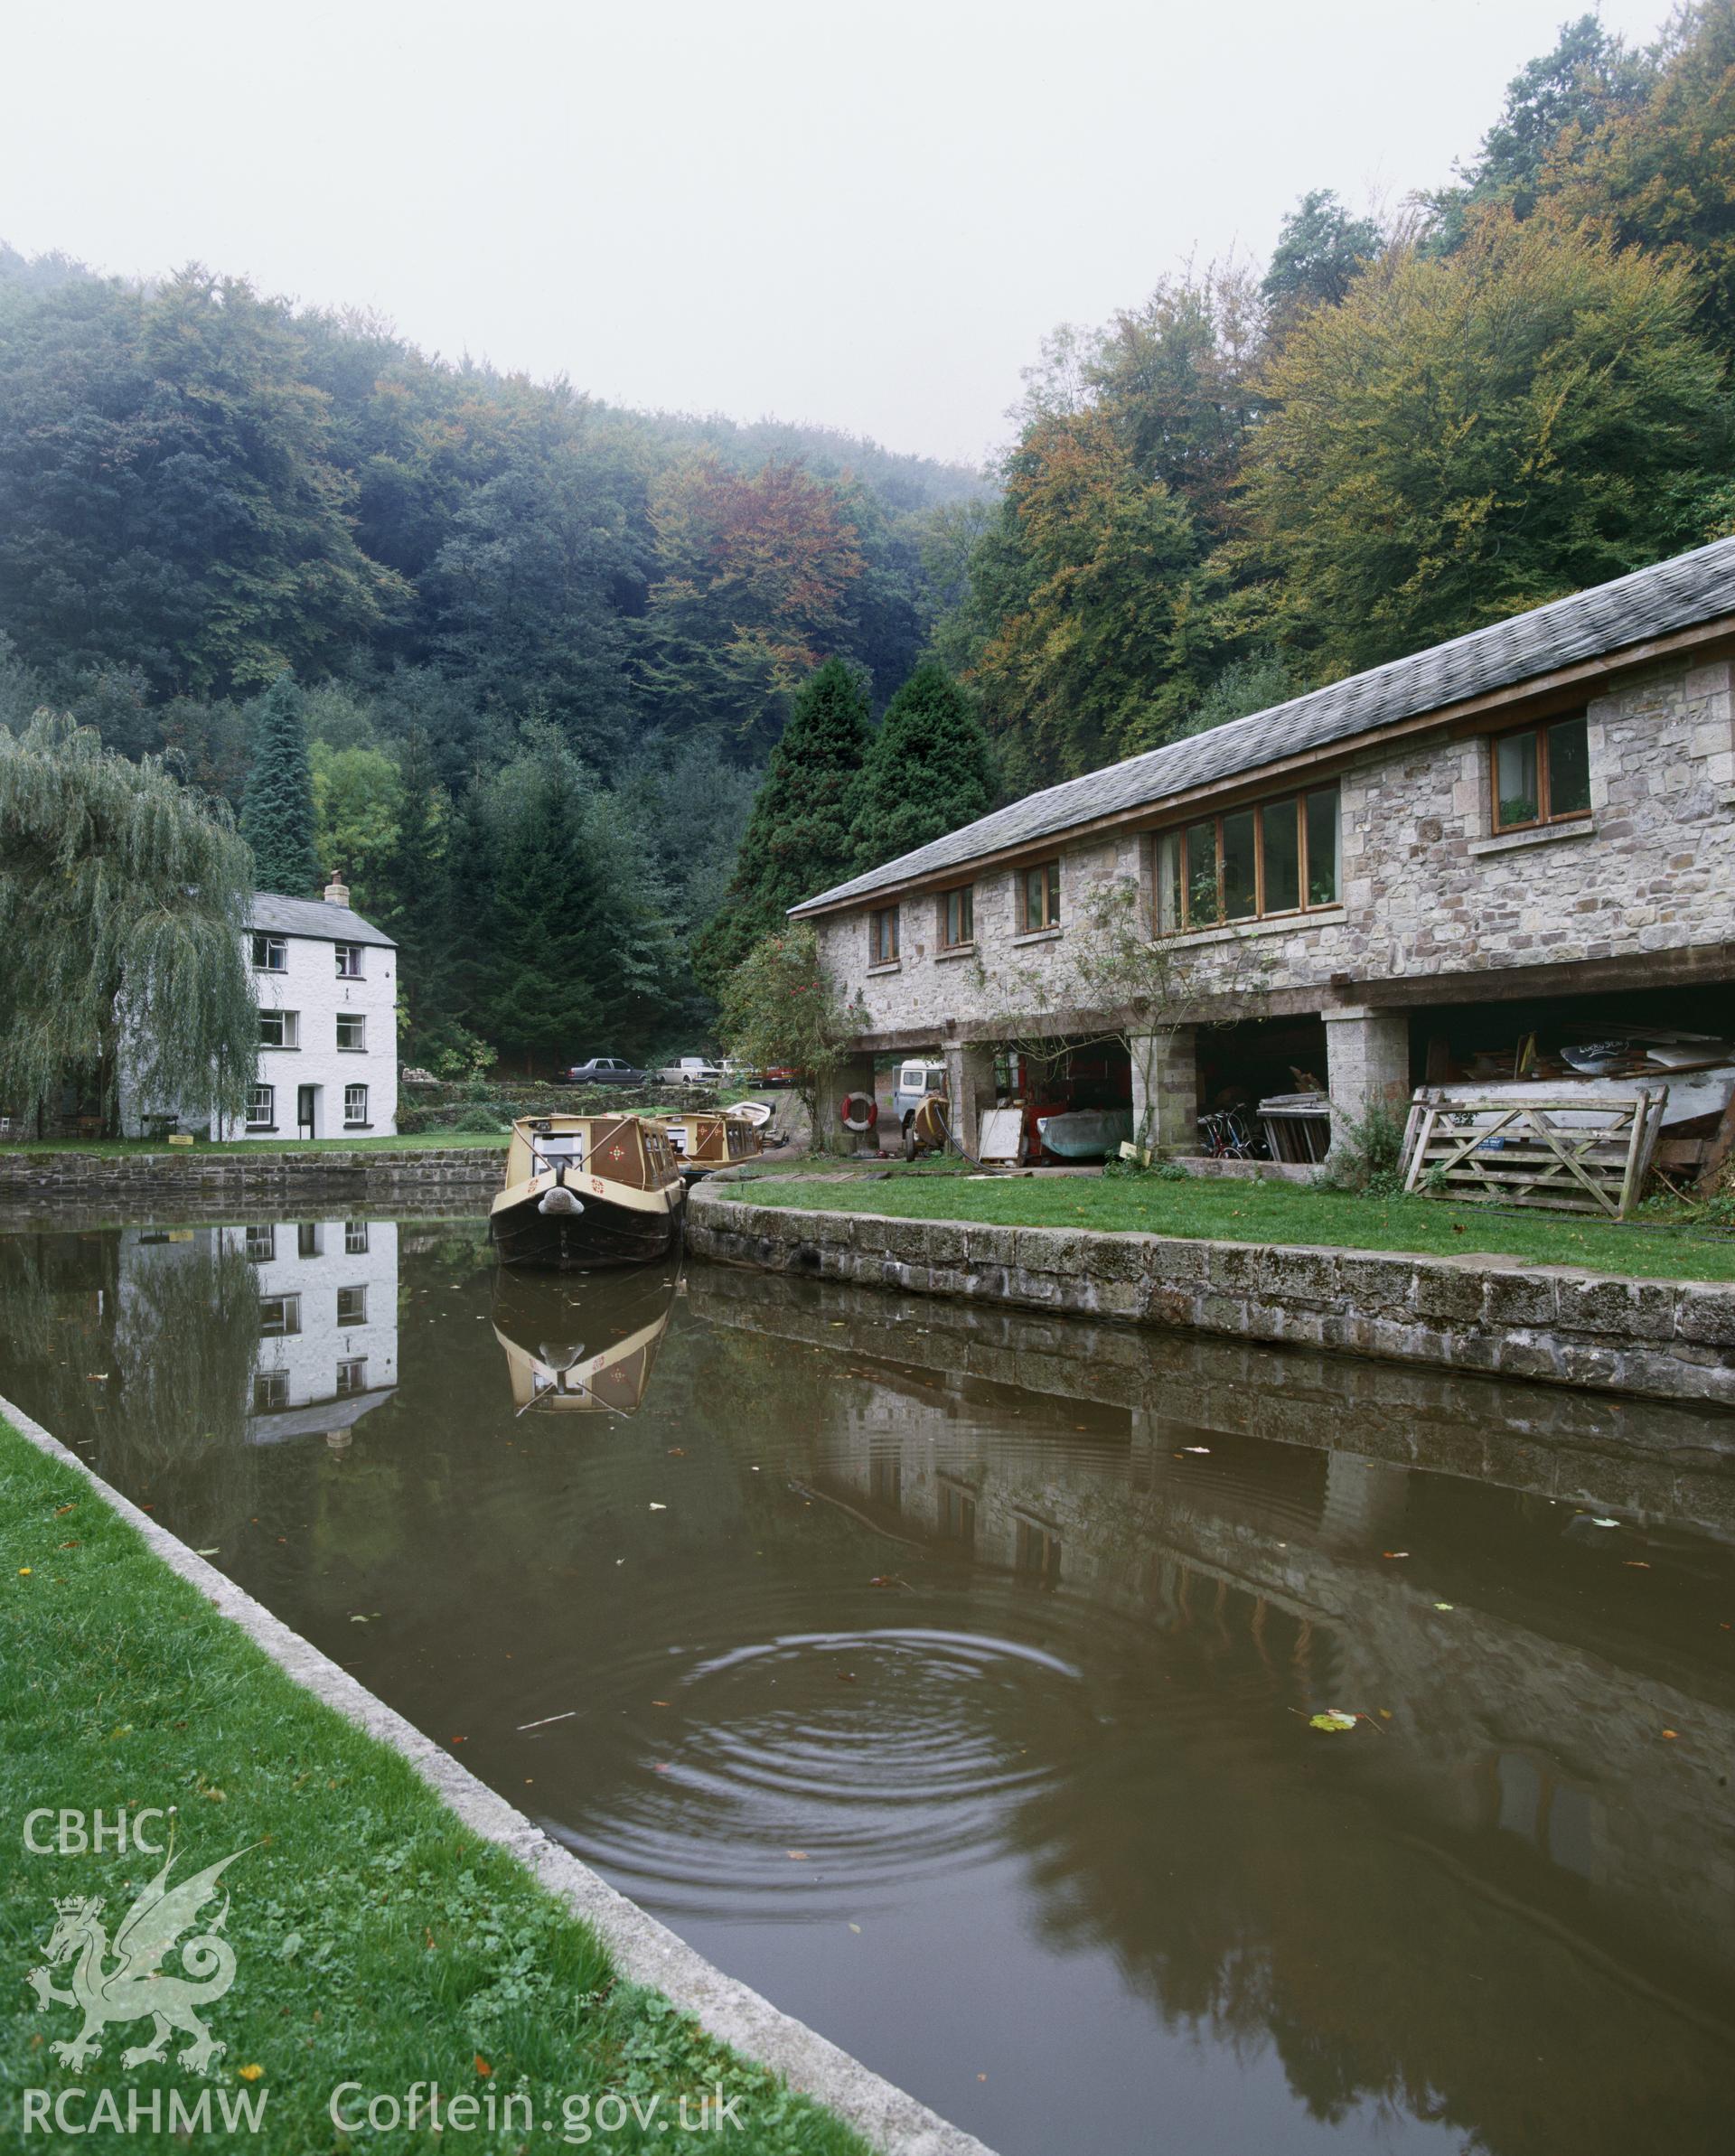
<point x="915" y="1082"/>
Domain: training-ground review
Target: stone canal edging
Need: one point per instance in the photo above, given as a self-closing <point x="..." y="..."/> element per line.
<point x="645" y="1951"/>
<point x="1661" y="1339"/>
<point x="242" y="1176"/>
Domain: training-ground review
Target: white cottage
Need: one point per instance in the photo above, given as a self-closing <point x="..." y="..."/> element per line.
<point x="325" y="980"/>
<point x="326" y="984"/>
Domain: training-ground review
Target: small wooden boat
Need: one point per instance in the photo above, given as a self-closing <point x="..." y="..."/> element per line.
<point x="704" y="1140"/>
<point x="587" y="1352"/>
<point x="584" y="1190"/>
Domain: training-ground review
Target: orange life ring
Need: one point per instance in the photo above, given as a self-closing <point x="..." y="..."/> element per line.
<point x="859" y="1111"/>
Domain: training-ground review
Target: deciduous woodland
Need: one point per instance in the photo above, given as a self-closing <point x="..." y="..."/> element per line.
<point x="579" y="699"/>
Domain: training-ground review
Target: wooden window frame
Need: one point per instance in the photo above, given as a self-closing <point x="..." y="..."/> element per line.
<point x="359" y="1019"/>
<point x="1049" y="872"/>
<point x="264" y="946"/>
<point x="268" y="1095"/>
<point x="1545" y="815"/>
<point x="288" y="1030"/>
<point x="876" y="955"/>
<point x="965" y="894"/>
<point x="355" y="1122"/>
<point x="354" y="1313"/>
<point x="349" y="961"/>
<point x="1299" y="795"/>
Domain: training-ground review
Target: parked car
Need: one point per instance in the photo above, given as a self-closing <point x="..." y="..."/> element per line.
<point x="601" y="1070"/>
<point x="915" y="1082"/>
<point x="692" y="1069"/>
<point x="779" y="1073"/>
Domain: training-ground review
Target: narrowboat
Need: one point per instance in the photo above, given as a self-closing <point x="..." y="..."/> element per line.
<point x="586" y="1352"/>
<point x="703" y="1140"/>
<point x="584" y="1190"/>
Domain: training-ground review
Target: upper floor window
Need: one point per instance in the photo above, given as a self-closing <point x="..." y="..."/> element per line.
<point x="279" y="1028"/>
<point x="349" y="961"/>
<point x="958" y="917"/>
<point x="882" y="936"/>
<point x="270" y="954"/>
<point x="1542" y="774"/>
<point x="1279" y="856"/>
<point x="279" y="1313"/>
<point x="352" y="1030"/>
<point x="351" y="1306"/>
<point x="1039" y="897"/>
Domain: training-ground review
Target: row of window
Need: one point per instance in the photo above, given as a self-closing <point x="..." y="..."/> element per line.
<point x="280" y="1314"/>
<point x="1275" y="856"/>
<point x="262" y="1107"/>
<point x="271" y="955"/>
<point x="310" y="1240"/>
<point x="271" y="1387"/>
<point x="282" y="1029"/>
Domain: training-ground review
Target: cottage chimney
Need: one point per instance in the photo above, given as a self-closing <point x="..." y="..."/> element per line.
<point x="337" y="891"/>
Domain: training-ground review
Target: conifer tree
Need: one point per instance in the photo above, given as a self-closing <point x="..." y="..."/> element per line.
<point x="278" y="803"/>
<point x="798" y="839"/>
<point x="930" y="770"/>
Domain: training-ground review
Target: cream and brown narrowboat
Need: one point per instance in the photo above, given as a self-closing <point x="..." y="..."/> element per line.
<point x="584" y="1190"/>
<point x="704" y="1140"/>
<point x="587" y="1352"/>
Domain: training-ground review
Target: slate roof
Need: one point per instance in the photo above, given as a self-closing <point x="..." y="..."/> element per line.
<point x="1672" y="595"/>
<point x="272" y="913"/>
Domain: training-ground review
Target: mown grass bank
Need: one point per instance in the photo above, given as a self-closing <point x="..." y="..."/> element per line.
<point x="1233" y="1210"/>
<point x="256" y="1149"/>
<point x="377" y="1940"/>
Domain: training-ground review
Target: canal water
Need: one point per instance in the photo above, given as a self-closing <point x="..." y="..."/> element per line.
<point x="948" y="1675"/>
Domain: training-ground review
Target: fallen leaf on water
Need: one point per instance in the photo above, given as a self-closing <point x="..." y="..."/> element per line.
<point x="460" y="1740"/>
<point x="196" y="1553"/>
<point x="677" y="1452"/>
<point x="95" y="1377"/>
<point x="658" y="1508"/>
<point x="1395" y="1553"/>
<point x="1605" y="1523"/>
<point x="855" y="1927"/>
<point x="1671" y="1732"/>
<point x="1445" y="1605"/>
<point x="796" y="1856"/>
<point x="1332" y="1719"/>
<point x="846" y="1676"/>
<point x="1636" y="1564"/>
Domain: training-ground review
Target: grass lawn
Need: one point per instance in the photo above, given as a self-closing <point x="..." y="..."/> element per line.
<point x="376" y="1939"/>
<point x="1233" y="1210"/>
<point x="121" y="1146"/>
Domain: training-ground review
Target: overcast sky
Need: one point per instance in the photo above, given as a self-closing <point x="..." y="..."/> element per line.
<point x="867" y="215"/>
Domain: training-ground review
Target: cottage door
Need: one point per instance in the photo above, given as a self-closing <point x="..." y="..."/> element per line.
<point x="306" y="1111"/>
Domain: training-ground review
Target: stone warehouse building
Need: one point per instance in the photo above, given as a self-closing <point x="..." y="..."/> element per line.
<point x="325" y="982"/>
<point x="1528" y="831"/>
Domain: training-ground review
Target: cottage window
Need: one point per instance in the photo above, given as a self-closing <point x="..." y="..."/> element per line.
<point x="1036" y="1551"/>
<point x="958" y="917"/>
<point x="355" y="1107"/>
<point x="270" y="1390"/>
<point x="1039" y="897"/>
<point x="261" y="1243"/>
<point x="349" y="961"/>
<point x="352" y="1377"/>
<point x="270" y="954"/>
<point x="1277" y="856"/>
<point x="310" y="1239"/>
<point x="279" y="1028"/>
<point x="882" y="936"/>
<point x="351" y="1306"/>
<point x="355" y="1237"/>
<point x="351" y="1031"/>
<point x="279" y="1314"/>
<point x="260" y="1114"/>
<point x="1542" y="774"/>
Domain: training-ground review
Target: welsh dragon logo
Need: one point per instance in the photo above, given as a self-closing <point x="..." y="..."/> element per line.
<point x="135" y="1987"/>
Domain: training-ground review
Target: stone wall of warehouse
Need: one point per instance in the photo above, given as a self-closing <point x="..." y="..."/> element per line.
<point x="1663" y="1339"/>
<point x="1425" y="886"/>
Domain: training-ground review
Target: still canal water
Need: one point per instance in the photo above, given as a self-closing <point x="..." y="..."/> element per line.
<point x="946" y="1674"/>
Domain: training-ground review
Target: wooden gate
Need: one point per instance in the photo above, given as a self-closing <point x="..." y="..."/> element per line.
<point x="1521" y="1153"/>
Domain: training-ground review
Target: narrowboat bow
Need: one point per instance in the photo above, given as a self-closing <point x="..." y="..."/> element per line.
<point x="584" y="1190"/>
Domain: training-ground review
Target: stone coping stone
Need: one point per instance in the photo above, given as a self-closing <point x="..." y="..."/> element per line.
<point x="1484" y="1312"/>
<point x="645" y="1950"/>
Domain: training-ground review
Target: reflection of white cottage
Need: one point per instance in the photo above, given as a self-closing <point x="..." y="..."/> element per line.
<point x="328" y="1323"/>
<point x="326" y="985"/>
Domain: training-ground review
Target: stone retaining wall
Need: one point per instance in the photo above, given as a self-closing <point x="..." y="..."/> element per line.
<point x="27" y="1179"/>
<point x="1664" y="1339"/>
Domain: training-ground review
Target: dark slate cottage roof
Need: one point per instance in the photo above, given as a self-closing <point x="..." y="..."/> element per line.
<point x="272" y="914"/>
<point x="1680" y="594"/>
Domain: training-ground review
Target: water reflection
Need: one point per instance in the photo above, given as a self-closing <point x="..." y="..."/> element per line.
<point x="583" y="1344"/>
<point x="945" y="1674"/>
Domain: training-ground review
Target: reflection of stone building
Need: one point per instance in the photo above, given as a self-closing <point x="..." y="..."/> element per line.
<point x="1524" y="1742"/>
<point x="328" y="1323"/>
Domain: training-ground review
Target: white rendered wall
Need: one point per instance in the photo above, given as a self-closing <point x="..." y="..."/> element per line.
<point x="309" y="1359"/>
<point x="310" y="986"/>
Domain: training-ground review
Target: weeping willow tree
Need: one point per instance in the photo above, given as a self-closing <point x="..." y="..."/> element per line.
<point x="123" y="910"/>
